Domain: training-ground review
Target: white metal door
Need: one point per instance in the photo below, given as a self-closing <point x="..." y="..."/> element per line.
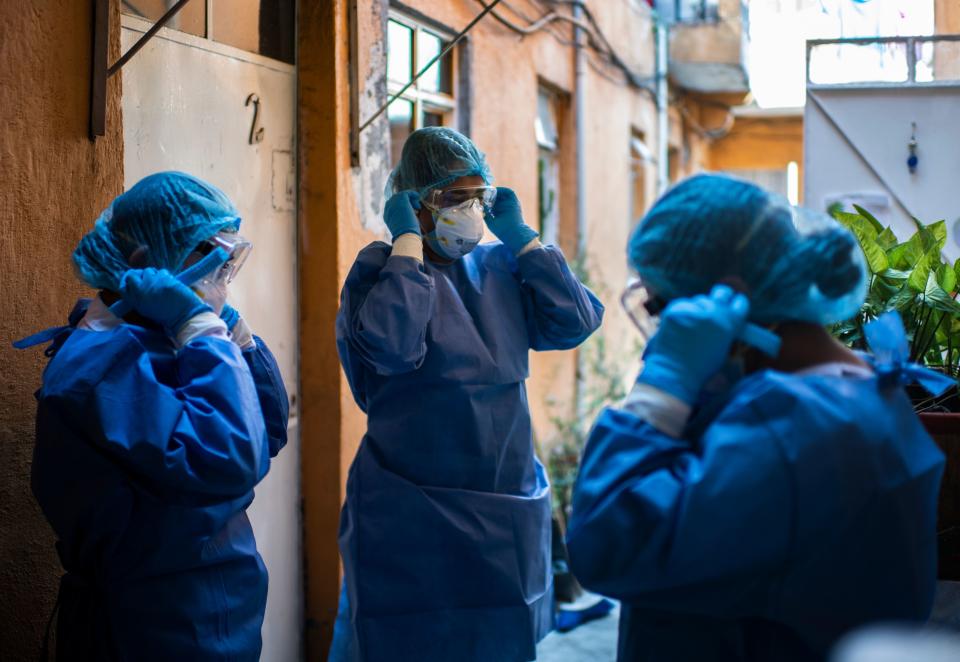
<point x="184" y="109"/>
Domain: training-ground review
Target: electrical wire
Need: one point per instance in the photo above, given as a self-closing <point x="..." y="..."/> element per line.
<point x="596" y="40"/>
<point x="449" y="47"/>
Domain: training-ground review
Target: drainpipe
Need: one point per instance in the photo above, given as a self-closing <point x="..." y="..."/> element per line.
<point x="663" y="107"/>
<point x="579" y="116"/>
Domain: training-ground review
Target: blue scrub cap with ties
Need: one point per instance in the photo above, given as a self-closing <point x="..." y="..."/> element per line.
<point x="795" y="264"/>
<point x="157" y="223"/>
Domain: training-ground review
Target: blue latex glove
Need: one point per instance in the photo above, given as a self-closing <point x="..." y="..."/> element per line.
<point x="505" y="221"/>
<point x="400" y="213"/>
<point x="158" y="295"/>
<point x="230" y="316"/>
<point x="693" y="342"/>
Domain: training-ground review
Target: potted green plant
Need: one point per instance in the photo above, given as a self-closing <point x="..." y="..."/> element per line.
<point x="912" y="278"/>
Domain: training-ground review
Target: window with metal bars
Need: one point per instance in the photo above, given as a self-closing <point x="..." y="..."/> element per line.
<point x="430" y="101"/>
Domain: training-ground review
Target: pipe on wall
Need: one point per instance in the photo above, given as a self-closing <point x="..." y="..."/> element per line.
<point x="663" y="117"/>
<point x="579" y="111"/>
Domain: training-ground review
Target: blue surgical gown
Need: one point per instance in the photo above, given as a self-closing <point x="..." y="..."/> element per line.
<point x="144" y="465"/>
<point x="445" y="533"/>
<point x="801" y="507"/>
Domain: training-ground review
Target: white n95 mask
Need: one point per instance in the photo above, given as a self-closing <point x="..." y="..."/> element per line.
<point x="457" y="229"/>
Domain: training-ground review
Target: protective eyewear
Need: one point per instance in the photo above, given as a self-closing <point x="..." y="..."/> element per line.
<point x="644" y="309"/>
<point x="236" y="247"/>
<point x="452" y="197"/>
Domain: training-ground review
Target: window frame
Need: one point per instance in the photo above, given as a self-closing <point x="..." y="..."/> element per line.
<point x="425" y="101"/>
<point x="209" y="34"/>
<point x="696" y="12"/>
<point x="549" y="155"/>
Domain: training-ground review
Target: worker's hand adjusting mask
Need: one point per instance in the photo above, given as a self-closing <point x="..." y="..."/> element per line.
<point x="219" y="260"/>
<point x="457" y="230"/>
<point x="212" y="286"/>
<point x="644" y="308"/>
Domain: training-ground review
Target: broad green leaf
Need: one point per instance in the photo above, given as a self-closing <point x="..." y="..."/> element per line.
<point x="895" y="274"/>
<point x="937" y="298"/>
<point x="947" y="278"/>
<point x="857" y="222"/>
<point x="866" y="236"/>
<point x="903" y="299"/>
<point x="870" y="217"/>
<point x="898" y="257"/>
<point x="938" y="231"/>
<point x="920" y="274"/>
<point x="887" y="239"/>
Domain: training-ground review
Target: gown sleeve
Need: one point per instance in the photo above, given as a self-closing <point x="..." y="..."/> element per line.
<point x="658" y="522"/>
<point x="271" y="393"/>
<point x="561" y="312"/>
<point x="385" y="306"/>
<point x="203" y="440"/>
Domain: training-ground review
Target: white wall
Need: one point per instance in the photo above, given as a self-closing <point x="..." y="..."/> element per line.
<point x="878" y="122"/>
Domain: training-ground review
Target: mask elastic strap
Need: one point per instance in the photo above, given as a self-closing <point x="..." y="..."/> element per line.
<point x="210" y="263"/>
<point x="762" y="339"/>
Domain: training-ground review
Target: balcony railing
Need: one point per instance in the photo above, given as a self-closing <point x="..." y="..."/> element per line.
<point x="882" y="61"/>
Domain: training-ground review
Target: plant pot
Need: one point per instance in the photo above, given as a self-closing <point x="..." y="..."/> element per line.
<point x="945" y="430"/>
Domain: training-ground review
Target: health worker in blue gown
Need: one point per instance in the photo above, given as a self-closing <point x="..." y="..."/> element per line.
<point x="445" y="533"/>
<point x="756" y="500"/>
<point x="158" y="414"/>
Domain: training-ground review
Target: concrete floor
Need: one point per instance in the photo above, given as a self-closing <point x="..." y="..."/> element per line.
<point x="597" y="641"/>
<point x="594" y="642"/>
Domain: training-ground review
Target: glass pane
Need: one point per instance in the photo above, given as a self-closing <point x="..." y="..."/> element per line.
<point x="938" y="61"/>
<point x="259" y="26"/>
<point x="400" y="114"/>
<point x="399" y="52"/>
<point x="837" y="64"/>
<point x="192" y="18"/>
<point x="548" y="170"/>
<point x="432" y="119"/>
<point x="546" y="122"/>
<point x="438" y="77"/>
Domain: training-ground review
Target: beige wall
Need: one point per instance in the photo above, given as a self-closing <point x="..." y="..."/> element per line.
<point x="947" y="16"/>
<point x="55" y="182"/>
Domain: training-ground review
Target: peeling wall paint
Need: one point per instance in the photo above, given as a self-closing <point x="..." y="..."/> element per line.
<point x="369" y="179"/>
<point x="54" y="183"/>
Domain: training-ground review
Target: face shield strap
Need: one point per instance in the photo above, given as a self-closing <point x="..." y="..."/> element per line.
<point x="210" y="263"/>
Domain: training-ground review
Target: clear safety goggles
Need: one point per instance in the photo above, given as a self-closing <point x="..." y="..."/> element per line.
<point x="642" y="307"/>
<point x="237" y="247"/>
<point x="436" y="199"/>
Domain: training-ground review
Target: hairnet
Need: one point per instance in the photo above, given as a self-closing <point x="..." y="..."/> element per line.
<point x="157" y="223"/>
<point x="435" y="156"/>
<point x="795" y="265"/>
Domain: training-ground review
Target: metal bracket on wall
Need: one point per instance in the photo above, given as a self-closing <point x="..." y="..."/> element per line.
<point x="101" y="72"/>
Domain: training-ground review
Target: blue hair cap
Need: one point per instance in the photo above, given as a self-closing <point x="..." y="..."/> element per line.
<point x="793" y="264"/>
<point x="435" y="156"/>
<point x="157" y="223"/>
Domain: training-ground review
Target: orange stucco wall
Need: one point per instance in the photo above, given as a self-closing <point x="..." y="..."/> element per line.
<point x="760" y="143"/>
<point x="947" y="14"/>
<point x="55" y="182"/>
